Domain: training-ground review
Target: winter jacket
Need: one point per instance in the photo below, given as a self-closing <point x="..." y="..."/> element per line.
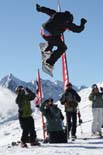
<point x="97" y="99"/>
<point x="53" y="116"/>
<point x="70" y="100"/>
<point x="23" y="101"/>
<point x="57" y="23"/>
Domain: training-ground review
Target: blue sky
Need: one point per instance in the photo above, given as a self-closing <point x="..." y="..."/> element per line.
<point x="20" y="36"/>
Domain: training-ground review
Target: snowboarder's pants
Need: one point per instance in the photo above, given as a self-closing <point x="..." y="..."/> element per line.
<point x="71" y="122"/>
<point x="27" y="125"/>
<point x="59" y="43"/>
<point x="97" y="119"/>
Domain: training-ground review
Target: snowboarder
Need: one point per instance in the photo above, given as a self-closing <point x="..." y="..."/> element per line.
<point x="70" y="100"/>
<point x="97" y="110"/>
<point x="54" y="119"/>
<point x="24" y="96"/>
<point x="53" y="29"/>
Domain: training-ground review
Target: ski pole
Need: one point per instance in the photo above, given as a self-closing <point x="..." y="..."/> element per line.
<point x="80" y="120"/>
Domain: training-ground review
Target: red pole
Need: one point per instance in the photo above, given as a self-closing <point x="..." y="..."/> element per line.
<point x="39" y="100"/>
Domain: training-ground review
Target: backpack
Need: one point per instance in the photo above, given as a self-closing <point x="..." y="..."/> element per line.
<point x="69" y="99"/>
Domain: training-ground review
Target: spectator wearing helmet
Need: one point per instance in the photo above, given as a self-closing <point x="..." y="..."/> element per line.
<point x="70" y="100"/>
<point x="24" y="96"/>
<point x="97" y="110"/>
<point x="53" y="29"/>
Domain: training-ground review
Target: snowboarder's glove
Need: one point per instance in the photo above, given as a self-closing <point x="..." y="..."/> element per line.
<point x="83" y="21"/>
<point x="38" y="8"/>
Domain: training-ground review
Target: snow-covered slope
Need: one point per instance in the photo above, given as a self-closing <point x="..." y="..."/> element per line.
<point x="11" y="131"/>
<point x="8" y="109"/>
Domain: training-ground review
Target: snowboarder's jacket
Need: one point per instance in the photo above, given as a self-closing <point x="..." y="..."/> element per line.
<point x="60" y="21"/>
<point x="70" y="99"/>
<point x="97" y="99"/>
<point x="23" y="101"/>
<point x="53" y="116"/>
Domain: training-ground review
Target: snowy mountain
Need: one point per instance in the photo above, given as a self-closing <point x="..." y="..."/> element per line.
<point x="11" y="82"/>
<point x="10" y="129"/>
<point x="50" y="89"/>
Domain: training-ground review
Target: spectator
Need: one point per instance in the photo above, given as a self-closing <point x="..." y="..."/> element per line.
<point x="24" y="96"/>
<point x="54" y="120"/>
<point x="70" y="100"/>
<point x="97" y="110"/>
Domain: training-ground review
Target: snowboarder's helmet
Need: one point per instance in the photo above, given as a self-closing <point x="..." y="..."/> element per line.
<point x="69" y="16"/>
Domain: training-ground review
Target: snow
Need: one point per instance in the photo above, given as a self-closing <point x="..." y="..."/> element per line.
<point x="8" y="108"/>
<point x="10" y="130"/>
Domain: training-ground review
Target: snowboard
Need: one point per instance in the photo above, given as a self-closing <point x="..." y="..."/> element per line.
<point x="44" y="56"/>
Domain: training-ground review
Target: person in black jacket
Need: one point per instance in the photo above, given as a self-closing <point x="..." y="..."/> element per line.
<point x="53" y="29"/>
<point x="70" y="100"/>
